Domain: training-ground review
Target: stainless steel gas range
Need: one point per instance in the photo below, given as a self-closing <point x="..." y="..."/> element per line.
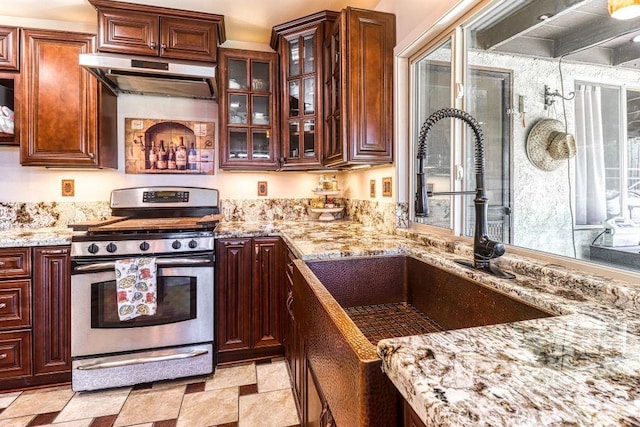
<point x="173" y="228"/>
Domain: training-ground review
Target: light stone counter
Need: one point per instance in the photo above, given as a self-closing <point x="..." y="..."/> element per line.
<point x="47" y="236"/>
<point x="579" y="368"/>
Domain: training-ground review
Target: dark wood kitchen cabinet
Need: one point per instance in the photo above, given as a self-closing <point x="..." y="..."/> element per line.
<point x="291" y="339"/>
<point x="9" y="86"/>
<point x="300" y="46"/>
<point x="35" y="340"/>
<point x="137" y="29"/>
<point x="68" y="119"/>
<point x="248" y="110"/>
<point x="359" y="89"/>
<point x="248" y="298"/>
<point x="15" y="315"/>
<point x="9" y="48"/>
<point x="52" y="311"/>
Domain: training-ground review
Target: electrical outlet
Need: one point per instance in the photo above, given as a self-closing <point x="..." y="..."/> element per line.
<point x="68" y="187"/>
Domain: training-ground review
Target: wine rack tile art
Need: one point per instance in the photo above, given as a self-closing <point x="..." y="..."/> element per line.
<point x="154" y="146"/>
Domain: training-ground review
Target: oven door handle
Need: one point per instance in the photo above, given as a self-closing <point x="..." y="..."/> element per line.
<point x="159" y="263"/>
<point x="139" y="360"/>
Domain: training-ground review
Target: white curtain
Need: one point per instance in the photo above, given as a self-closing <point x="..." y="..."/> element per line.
<point x="591" y="202"/>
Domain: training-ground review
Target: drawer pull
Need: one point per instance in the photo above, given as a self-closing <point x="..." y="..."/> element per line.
<point x="3" y="305"/>
<point x="54" y="251"/>
<point x="2" y="263"/>
<point x="3" y="356"/>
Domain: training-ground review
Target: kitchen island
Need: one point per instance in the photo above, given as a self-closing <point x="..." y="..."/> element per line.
<point x="581" y="367"/>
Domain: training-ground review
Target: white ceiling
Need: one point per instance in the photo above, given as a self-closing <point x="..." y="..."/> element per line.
<point x="245" y="20"/>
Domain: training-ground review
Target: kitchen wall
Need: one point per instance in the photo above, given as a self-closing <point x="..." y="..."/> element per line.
<point x="35" y="184"/>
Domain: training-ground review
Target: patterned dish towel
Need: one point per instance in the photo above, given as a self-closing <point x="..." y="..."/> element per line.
<point x="136" y="287"/>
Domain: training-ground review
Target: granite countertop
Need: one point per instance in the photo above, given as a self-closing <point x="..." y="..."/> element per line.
<point x="48" y="236"/>
<point x="581" y="367"/>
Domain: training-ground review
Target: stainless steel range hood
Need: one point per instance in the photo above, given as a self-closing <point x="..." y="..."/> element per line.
<point x="149" y="76"/>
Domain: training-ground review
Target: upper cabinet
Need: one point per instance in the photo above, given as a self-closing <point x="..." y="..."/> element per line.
<point x="300" y="46"/>
<point x="9" y="87"/>
<point x="67" y="118"/>
<point x="247" y="110"/>
<point x="9" y="48"/>
<point x="154" y="31"/>
<point x="358" y="89"/>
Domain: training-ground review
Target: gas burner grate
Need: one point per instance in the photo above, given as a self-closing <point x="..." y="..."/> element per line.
<point x="382" y="321"/>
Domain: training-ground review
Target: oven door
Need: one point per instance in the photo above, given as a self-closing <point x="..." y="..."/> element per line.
<point x="184" y="313"/>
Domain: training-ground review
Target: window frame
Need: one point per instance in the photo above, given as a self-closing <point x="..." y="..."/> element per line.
<point x="433" y="36"/>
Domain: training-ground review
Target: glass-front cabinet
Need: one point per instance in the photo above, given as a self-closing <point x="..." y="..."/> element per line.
<point x="299" y="44"/>
<point x="248" y="110"/>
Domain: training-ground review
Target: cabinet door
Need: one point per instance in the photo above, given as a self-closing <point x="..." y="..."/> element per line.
<point x="128" y="32"/>
<point x="188" y="39"/>
<point x="301" y="100"/>
<point x="10" y="114"/>
<point x="52" y="310"/>
<point x="59" y="121"/>
<point x="9" y="48"/>
<point x="359" y="89"/>
<point x="247" y="110"/>
<point x="233" y="294"/>
<point x="267" y="297"/>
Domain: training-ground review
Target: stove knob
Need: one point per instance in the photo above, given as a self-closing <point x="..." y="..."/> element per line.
<point x="193" y="244"/>
<point x="144" y="246"/>
<point x="93" y="248"/>
<point x="176" y="244"/>
<point x="111" y="248"/>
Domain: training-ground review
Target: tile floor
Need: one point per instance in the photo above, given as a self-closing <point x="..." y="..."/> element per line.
<point x="245" y="395"/>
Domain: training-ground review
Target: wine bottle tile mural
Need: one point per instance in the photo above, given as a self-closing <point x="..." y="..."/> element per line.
<point x="154" y="146"/>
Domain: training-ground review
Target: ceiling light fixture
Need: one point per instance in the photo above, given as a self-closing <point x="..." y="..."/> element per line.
<point x="545" y="16"/>
<point x="624" y="9"/>
<point x="636" y="39"/>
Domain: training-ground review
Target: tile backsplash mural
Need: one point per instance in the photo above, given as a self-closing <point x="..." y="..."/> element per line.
<point x="155" y="146"/>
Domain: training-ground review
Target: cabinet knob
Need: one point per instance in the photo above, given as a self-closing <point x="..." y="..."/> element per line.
<point x="2" y="263"/>
<point x="3" y="305"/>
<point x="3" y="356"/>
<point x="163" y="46"/>
<point x="91" y="155"/>
<point x="153" y="45"/>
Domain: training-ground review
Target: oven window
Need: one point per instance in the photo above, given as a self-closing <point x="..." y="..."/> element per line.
<point x="176" y="297"/>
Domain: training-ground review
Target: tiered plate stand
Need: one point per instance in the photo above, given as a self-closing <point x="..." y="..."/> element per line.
<point x="326" y="214"/>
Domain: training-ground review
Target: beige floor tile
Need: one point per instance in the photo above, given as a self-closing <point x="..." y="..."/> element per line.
<point x="232" y="377"/>
<point x="272" y="376"/>
<point x="145" y="406"/>
<point x="93" y="404"/>
<point x="7" y="399"/>
<point x="38" y="402"/>
<point x="179" y="382"/>
<point x="209" y="408"/>
<point x="17" y="422"/>
<point x="271" y="409"/>
<point x="77" y="423"/>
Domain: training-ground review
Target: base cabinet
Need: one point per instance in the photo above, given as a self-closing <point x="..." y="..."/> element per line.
<point x="248" y="298"/>
<point x="35" y="320"/>
<point x="52" y="311"/>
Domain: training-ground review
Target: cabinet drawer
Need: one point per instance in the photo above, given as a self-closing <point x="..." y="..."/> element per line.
<point x="15" y="354"/>
<point x="15" y="303"/>
<point x="15" y="263"/>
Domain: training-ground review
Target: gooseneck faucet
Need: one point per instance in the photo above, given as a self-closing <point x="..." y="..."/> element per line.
<point x="484" y="249"/>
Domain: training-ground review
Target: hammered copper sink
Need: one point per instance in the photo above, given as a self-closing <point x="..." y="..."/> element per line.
<point x="346" y="305"/>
